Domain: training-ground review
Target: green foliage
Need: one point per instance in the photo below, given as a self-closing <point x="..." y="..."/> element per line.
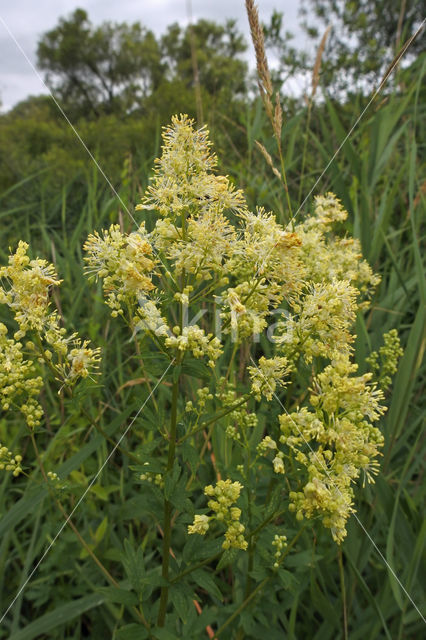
<point x="378" y="177"/>
<point x="365" y="37"/>
<point x="109" y="69"/>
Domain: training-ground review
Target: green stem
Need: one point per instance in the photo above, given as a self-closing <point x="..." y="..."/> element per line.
<point x="263" y="524"/>
<point x="342" y="586"/>
<point x="195" y="567"/>
<point x="258" y="588"/>
<point x="215" y="418"/>
<point x="284" y="175"/>
<point x="251" y="542"/>
<point x="103" y="433"/>
<point x="167" y="532"/>
<point x="305" y="145"/>
<point x="231" y="362"/>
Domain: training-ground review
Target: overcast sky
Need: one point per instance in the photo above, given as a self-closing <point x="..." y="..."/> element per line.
<point x="27" y="20"/>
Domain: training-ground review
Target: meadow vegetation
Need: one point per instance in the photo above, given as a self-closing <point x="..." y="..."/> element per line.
<point x="211" y="342"/>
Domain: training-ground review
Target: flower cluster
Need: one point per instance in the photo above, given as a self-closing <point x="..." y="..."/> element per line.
<point x="203" y="396"/>
<point x="223" y="495"/>
<point x="82" y="359"/>
<point x="19" y="383"/>
<point x="183" y="179"/>
<point x="9" y="462"/>
<point x="384" y="363"/>
<point x="265" y="268"/>
<point x="148" y="318"/>
<point x="250" y="268"/>
<point x="266" y="375"/>
<point x="25" y="289"/>
<point x="195" y="340"/>
<point x="334" y="442"/>
<point x="322" y="325"/>
<point x="203" y="250"/>
<point x="125" y="263"/>
<point x="328" y="210"/>
<point x="239" y="419"/>
<point x="153" y="478"/>
<point x="327" y="257"/>
<point x="266" y="445"/>
<point x="269" y="250"/>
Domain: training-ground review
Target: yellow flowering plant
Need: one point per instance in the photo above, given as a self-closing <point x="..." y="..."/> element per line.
<point x="267" y="424"/>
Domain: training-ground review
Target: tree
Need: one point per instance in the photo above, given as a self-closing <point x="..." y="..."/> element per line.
<point x="217" y="49"/>
<point x="364" y="39"/>
<point x="107" y="69"/>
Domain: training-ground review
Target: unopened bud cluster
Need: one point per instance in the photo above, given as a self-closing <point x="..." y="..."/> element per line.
<point x="9" y="462"/>
<point x="196" y="341"/>
<point x="223" y="496"/>
<point x="153" y="478"/>
<point x="19" y="383"/>
<point x="384" y="362"/>
<point x="280" y="543"/>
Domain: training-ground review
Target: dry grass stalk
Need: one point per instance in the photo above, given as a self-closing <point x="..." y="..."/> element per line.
<point x="268" y="159"/>
<point x="259" y="47"/>
<point x="317" y="66"/>
<point x="277" y="122"/>
<point x="263" y="73"/>
<point x="196" y="75"/>
<point x="274" y="113"/>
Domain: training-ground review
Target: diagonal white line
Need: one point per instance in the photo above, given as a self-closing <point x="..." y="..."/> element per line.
<point x="338" y="489"/>
<point x="350" y="132"/>
<point x="108" y="181"/>
<point x="68" y="120"/>
<point x="83" y="496"/>
<point x="373" y="97"/>
<point x="166" y="268"/>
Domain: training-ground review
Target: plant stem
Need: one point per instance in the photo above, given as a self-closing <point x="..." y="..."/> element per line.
<point x="167" y="531"/>
<point x="284" y="176"/>
<point x="82" y="541"/>
<point x="194" y="567"/>
<point x="217" y="417"/>
<point x="258" y="588"/>
<point x="342" y="586"/>
<point x="99" y="429"/>
<point x="305" y="145"/>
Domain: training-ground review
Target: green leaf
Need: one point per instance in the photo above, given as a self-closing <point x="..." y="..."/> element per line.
<point x="170" y="480"/>
<point x="197" y="548"/>
<point x="228" y="558"/>
<point x="180" y="602"/>
<point x="163" y="634"/>
<point x="206" y="581"/>
<point x="103" y="492"/>
<point x="191" y="455"/>
<point x="286" y="578"/>
<point x="133" y="563"/>
<point x="132" y="632"/>
<point x="118" y="595"/>
<point x="59" y="616"/>
<point x="369" y="596"/>
<point x="97" y="537"/>
<point x="196" y="369"/>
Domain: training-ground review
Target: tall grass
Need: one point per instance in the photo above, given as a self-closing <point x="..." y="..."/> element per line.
<point x="378" y="177"/>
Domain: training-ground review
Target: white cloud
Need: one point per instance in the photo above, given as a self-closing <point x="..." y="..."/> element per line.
<point x="28" y="20"/>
